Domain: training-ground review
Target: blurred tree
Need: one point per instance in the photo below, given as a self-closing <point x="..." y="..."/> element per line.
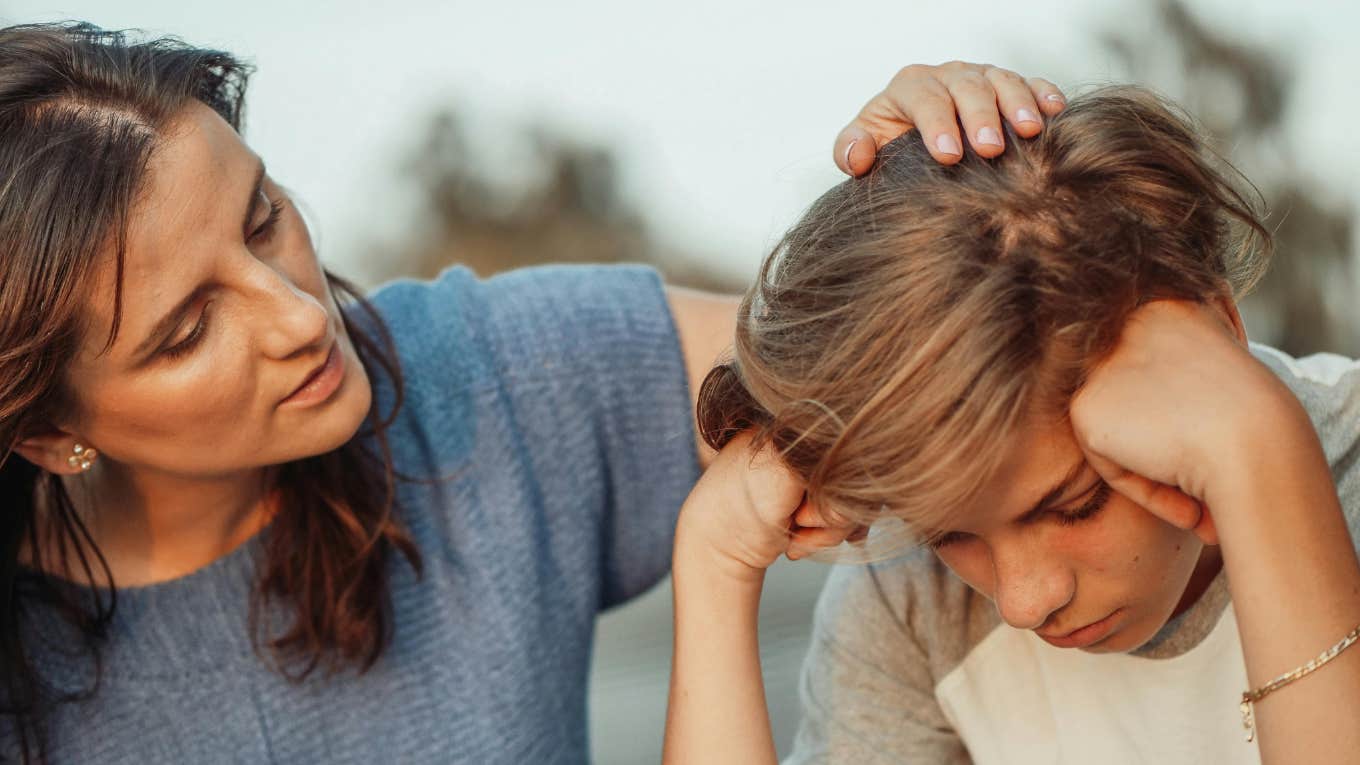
<point x="562" y="205"/>
<point x="1310" y="299"/>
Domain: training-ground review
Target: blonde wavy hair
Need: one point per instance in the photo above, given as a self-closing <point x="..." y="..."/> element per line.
<point x="909" y="322"/>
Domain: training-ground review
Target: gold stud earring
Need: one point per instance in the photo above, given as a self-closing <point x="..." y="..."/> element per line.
<point x="81" y="457"/>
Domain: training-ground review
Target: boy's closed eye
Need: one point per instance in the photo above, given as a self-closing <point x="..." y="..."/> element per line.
<point x="1098" y="496"/>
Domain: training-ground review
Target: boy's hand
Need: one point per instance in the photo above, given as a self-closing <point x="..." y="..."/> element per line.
<point x="1165" y="419"/>
<point x="748" y="509"/>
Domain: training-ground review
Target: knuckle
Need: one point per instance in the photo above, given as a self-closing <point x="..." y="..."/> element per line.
<point x="934" y="111"/>
<point x="911" y="72"/>
<point x="1004" y="76"/>
<point x="971" y="81"/>
<point x="873" y="106"/>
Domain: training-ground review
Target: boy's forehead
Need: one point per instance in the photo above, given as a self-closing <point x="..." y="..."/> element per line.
<point x="1038" y="457"/>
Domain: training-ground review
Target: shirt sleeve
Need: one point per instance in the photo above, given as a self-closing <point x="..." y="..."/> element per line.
<point x="1328" y="386"/>
<point x="867" y="691"/>
<point x="589" y="364"/>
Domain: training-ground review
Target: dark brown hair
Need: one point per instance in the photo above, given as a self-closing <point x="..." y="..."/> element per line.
<point x="81" y="110"/>
<point x="904" y="327"/>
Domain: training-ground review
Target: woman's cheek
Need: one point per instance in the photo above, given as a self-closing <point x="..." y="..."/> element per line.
<point x="220" y="381"/>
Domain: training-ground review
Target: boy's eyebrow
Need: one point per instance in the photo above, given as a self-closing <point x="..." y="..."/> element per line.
<point x="1055" y="493"/>
<point x="1049" y="497"/>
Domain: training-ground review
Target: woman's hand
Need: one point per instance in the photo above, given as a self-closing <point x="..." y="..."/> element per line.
<point x="748" y="509"/>
<point x="934" y="99"/>
<point x="1166" y="418"/>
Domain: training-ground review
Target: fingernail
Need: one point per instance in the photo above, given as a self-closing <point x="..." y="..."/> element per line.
<point x="849" y="148"/>
<point x="1025" y="115"/>
<point x="989" y="137"/>
<point x="1054" y="97"/>
<point x="946" y="144"/>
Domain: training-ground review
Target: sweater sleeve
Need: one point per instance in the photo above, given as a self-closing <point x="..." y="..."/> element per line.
<point x="563" y="388"/>
<point x="597" y="345"/>
<point x="867" y="690"/>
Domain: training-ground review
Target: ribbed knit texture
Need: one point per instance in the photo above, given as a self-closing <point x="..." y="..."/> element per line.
<point x="557" y="399"/>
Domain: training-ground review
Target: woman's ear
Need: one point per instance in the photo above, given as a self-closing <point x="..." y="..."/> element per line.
<point x="57" y="451"/>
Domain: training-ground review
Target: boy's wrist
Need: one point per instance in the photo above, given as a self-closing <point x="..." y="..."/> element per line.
<point x="1273" y="445"/>
<point x="696" y="557"/>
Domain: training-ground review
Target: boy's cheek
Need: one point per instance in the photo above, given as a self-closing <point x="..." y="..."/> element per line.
<point x="970" y="562"/>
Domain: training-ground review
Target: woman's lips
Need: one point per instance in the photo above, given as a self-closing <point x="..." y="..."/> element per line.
<point x="319" y="386"/>
<point x="1084" y="636"/>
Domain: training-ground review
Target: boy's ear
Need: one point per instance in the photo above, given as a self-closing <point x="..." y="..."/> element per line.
<point x="56" y="451"/>
<point x="1226" y="308"/>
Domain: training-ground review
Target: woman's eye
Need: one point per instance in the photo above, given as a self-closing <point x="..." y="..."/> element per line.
<point x="266" y="229"/>
<point x="188" y="343"/>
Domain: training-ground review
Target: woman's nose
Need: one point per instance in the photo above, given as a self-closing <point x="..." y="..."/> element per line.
<point x="1030" y="585"/>
<point x="292" y="318"/>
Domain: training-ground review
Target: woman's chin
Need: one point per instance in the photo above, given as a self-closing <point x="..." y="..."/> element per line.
<point x="327" y="426"/>
<point x="351" y="410"/>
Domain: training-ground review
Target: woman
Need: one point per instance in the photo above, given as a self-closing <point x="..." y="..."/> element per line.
<point x="253" y="517"/>
<point x="1036" y="362"/>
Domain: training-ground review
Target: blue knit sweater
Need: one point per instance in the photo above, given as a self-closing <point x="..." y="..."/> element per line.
<point x="557" y="400"/>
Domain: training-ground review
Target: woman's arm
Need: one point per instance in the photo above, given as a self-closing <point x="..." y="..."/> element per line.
<point x="1222" y="447"/>
<point x="705" y="324"/>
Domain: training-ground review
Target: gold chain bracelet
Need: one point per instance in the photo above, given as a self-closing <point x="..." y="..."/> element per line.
<point x="1251" y="697"/>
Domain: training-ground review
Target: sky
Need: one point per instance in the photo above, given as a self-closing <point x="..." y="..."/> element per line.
<point x="722" y="113"/>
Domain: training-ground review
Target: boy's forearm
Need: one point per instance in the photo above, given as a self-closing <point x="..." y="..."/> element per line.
<point x="1295" y="581"/>
<point x="717" y="712"/>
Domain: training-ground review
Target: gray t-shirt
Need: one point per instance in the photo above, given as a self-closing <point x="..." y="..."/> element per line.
<point x="910" y="665"/>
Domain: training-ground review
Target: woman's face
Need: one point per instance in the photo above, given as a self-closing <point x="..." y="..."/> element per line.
<point x="224" y="316"/>
<point x="1059" y="553"/>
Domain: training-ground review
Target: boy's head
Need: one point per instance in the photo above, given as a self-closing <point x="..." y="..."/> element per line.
<point x="914" y="342"/>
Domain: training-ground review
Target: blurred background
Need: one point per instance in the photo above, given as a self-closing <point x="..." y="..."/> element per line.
<point x="689" y="136"/>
